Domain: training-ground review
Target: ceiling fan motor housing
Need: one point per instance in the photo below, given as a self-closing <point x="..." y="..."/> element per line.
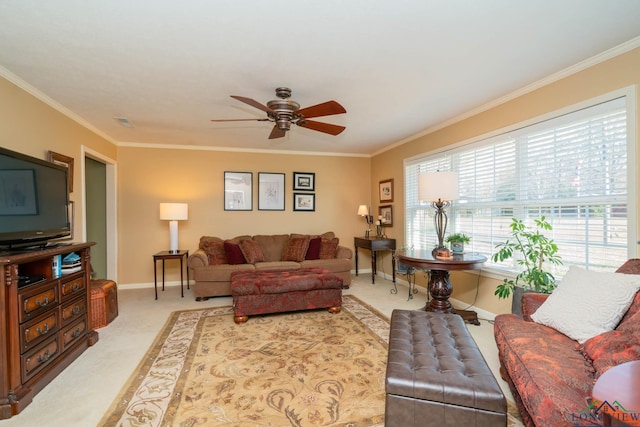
<point x="285" y="112"/>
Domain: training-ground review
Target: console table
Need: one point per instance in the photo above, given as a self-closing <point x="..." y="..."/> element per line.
<point x="181" y="255"/>
<point x="440" y="286"/>
<point x="375" y="244"/>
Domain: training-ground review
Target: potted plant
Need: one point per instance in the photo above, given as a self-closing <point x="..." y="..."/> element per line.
<point x="457" y="241"/>
<point x="533" y="252"/>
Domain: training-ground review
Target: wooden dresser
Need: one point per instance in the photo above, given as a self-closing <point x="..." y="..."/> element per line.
<point x="44" y="320"/>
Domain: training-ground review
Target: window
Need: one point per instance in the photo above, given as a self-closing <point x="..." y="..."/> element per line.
<point x="573" y="169"/>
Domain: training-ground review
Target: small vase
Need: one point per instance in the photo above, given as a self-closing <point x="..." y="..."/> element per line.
<point x="457" y="247"/>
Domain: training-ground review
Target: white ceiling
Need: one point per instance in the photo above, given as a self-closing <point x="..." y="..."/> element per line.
<point x="399" y="67"/>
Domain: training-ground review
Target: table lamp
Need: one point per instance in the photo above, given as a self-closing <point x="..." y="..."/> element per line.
<point x="439" y="188"/>
<point x="363" y="210"/>
<point x="174" y="212"/>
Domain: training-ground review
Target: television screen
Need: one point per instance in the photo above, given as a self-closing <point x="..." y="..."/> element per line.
<point x="34" y="199"/>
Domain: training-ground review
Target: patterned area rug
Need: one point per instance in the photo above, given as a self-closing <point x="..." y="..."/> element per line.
<point x="308" y="368"/>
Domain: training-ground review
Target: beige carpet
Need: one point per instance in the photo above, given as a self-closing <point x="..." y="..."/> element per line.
<point x="308" y="368"/>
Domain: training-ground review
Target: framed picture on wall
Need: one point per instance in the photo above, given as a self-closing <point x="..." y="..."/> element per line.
<point x="238" y="191"/>
<point x="270" y="191"/>
<point x="304" y="181"/>
<point x="66" y="161"/>
<point x="386" y="212"/>
<point x="386" y="191"/>
<point x="304" y="202"/>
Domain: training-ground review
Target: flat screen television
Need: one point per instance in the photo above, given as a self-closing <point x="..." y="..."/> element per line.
<point x="34" y="200"/>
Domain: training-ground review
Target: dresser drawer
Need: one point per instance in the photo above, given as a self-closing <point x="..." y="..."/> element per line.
<point x="37" y="299"/>
<point x="38" y="329"/>
<point x="72" y="287"/>
<point x="73" y="310"/>
<point x="73" y="332"/>
<point x="36" y="359"/>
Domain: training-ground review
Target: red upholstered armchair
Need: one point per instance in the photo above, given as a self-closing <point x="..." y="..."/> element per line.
<point x="550" y="375"/>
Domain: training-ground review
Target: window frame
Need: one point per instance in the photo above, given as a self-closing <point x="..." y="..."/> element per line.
<point x="630" y="104"/>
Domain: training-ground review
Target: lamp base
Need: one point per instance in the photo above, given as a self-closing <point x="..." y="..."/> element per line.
<point x="441" y="252"/>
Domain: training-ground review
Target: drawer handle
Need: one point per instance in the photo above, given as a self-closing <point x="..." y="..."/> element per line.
<point x="75" y="287"/>
<point x="45" y="331"/>
<point x="43" y="304"/>
<point x="45" y="357"/>
<point x="75" y="310"/>
<point x="76" y="333"/>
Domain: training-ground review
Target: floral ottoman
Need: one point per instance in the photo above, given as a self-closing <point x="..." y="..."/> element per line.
<point x="276" y="291"/>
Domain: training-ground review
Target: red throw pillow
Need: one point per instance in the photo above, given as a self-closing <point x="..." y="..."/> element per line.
<point x="328" y="248"/>
<point x="215" y="251"/>
<point x="251" y="250"/>
<point x="610" y="349"/>
<point x="234" y="254"/>
<point x="295" y="249"/>
<point x="313" y="252"/>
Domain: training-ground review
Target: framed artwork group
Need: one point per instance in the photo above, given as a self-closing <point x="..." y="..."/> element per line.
<point x="238" y="191"/>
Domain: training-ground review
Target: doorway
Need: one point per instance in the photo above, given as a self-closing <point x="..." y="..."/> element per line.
<point x="99" y="212"/>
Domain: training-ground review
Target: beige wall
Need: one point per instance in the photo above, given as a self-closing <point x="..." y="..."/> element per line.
<point x="147" y="177"/>
<point x="614" y="74"/>
<point x="151" y="176"/>
<point x="29" y="126"/>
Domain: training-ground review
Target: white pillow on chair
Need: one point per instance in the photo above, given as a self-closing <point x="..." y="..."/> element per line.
<point x="588" y="303"/>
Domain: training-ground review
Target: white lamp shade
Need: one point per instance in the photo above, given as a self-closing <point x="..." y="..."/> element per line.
<point x="363" y="210"/>
<point x="434" y="186"/>
<point x="174" y="211"/>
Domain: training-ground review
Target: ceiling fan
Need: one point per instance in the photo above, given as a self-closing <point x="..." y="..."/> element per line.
<point x="284" y="112"/>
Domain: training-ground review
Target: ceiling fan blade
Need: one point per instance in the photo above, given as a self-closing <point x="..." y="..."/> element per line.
<point x="328" y="108"/>
<point x="239" y="120"/>
<point x="254" y="103"/>
<point x="322" y="127"/>
<point x="276" y="132"/>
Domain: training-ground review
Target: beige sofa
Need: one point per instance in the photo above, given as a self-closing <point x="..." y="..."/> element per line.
<point x="215" y="259"/>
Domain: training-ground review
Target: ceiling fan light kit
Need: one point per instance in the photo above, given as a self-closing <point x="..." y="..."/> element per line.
<point x="284" y="112"/>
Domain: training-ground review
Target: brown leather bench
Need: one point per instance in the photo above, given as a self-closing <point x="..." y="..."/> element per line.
<point x="277" y="291"/>
<point x="437" y="376"/>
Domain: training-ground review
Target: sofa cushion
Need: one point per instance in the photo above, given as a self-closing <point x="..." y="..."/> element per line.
<point x="328" y="248"/>
<point x="588" y="303"/>
<point x="295" y="249"/>
<point x="233" y="252"/>
<point x="610" y="349"/>
<point x="252" y="251"/>
<point x="272" y="245"/>
<point x="214" y="248"/>
<point x="550" y="375"/>
<point x="313" y="252"/>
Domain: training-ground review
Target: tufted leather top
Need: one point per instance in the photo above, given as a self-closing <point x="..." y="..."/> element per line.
<point x="433" y="357"/>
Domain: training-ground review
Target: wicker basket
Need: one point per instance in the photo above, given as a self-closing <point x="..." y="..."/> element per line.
<point x="104" y="302"/>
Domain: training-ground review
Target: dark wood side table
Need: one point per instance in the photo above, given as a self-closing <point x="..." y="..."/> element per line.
<point x="440" y="286"/>
<point x="181" y="255"/>
<point x="375" y="244"/>
<point x="618" y="395"/>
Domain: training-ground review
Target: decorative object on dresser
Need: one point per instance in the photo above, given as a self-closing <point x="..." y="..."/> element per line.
<point x="44" y="319"/>
<point x="439" y="188"/>
<point x="174" y="212"/>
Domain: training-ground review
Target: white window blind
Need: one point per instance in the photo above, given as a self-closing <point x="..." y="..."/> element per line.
<point x="572" y="169"/>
